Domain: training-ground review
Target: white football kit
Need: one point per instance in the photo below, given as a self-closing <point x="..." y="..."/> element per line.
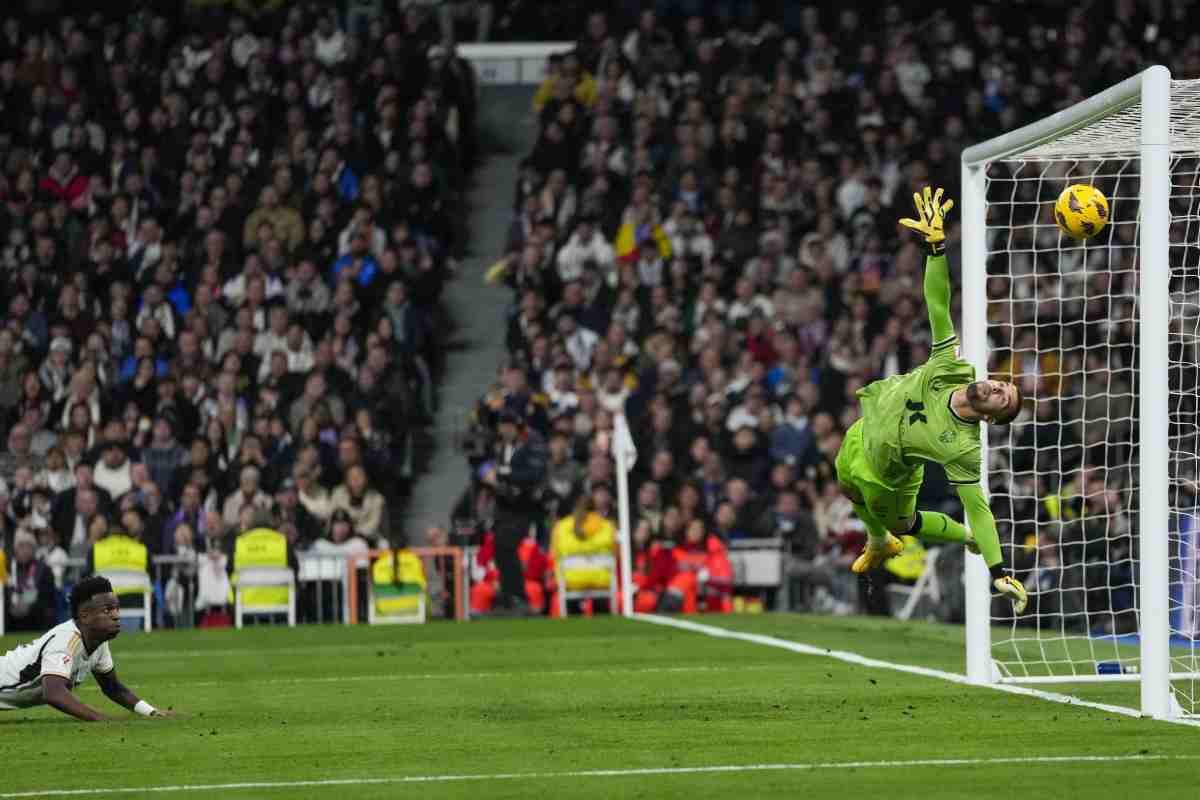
<point x="60" y="652"/>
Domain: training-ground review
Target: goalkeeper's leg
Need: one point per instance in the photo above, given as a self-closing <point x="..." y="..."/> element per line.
<point x="881" y="544"/>
<point x="854" y="477"/>
<point x="934" y="526"/>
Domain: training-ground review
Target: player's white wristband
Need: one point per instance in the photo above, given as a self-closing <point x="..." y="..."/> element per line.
<point x="145" y="709"/>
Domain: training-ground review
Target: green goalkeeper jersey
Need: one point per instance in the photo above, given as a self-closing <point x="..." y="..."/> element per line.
<point x="907" y="419"/>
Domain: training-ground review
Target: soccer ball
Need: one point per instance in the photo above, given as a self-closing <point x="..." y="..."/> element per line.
<point x="1081" y="211"/>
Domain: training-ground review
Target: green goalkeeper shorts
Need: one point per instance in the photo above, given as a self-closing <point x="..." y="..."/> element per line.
<point x="893" y="506"/>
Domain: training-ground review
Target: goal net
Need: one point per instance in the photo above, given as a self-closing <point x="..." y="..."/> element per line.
<point x="1081" y="523"/>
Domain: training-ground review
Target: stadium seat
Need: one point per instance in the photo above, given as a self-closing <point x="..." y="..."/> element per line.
<point x="134" y="582"/>
<point x="265" y="577"/>
<point x="391" y="601"/>
<point x="590" y="562"/>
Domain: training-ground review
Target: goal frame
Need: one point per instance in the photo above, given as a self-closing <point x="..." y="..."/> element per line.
<point x="1152" y="88"/>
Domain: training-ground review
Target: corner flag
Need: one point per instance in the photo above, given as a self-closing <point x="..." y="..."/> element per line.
<point x="625" y="454"/>
<point x="622" y="443"/>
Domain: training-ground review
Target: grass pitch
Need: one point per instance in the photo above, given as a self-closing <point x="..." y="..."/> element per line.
<point x="425" y="711"/>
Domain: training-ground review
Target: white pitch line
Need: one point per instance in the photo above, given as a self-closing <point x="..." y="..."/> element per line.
<point x="855" y="658"/>
<point x="450" y="676"/>
<point x="600" y="773"/>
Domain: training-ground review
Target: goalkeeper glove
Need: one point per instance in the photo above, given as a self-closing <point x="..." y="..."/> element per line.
<point x="1011" y="588"/>
<point x="931" y="213"/>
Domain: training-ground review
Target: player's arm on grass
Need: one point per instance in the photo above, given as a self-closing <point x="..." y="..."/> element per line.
<point x="58" y="694"/>
<point x="123" y="696"/>
<point x="931" y="213"/>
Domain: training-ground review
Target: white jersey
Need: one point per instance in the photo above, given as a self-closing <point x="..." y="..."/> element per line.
<point x="60" y="652"/>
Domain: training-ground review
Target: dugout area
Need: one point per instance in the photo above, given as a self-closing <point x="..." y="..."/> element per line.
<point x="597" y="707"/>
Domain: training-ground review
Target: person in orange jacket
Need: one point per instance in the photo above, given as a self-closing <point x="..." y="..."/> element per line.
<point x="703" y="556"/>
<point x="663" y="585"/>
<point x="487" y="584"/>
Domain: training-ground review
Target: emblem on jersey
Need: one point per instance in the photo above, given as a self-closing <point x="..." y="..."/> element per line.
<point x="917" y="408"/>
<point x="947" y="437"/>
<point x="66" y="660"/>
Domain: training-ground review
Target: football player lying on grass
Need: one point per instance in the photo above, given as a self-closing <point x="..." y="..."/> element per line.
<point x="48" y="668"/>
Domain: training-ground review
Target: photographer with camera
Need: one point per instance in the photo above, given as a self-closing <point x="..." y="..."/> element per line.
<point x="515" y="477"/>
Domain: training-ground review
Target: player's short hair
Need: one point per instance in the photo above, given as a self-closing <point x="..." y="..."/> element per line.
<point x="86" y="589"/>
<point x="1016" y="409"/>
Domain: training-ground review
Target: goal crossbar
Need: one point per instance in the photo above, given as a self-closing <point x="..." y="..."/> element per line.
<point x="1113" y="99"/>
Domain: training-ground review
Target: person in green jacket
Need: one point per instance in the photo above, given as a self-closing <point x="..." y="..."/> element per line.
<point x="930" y="414"/>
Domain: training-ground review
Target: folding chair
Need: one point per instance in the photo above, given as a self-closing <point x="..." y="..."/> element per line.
<point x="265" y="578"/>
<point x="130" y="581"/>
<point x="927" y="585"/>
<point x="396" y="589"/>
<point x="601" y="561"/>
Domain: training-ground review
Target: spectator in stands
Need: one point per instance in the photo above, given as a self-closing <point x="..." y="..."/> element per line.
<point x="30" y="594"/>
<point x="342" y="535"/>
<point x="248" y="495"/>
<point x="19" y="452"/>
<point x="163" y="456"/>
<point x="363" y="503"/>
<point x="292" y="517"/>
<point x="311" y="494"/>
<point x="114" y="470"/>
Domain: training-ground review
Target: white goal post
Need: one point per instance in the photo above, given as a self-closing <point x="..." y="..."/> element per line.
<point x="1109" y="590"/>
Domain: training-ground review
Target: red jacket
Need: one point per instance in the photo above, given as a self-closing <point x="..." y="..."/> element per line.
<point x="69" y="190"/>
<point x="710" y="556"/>
<point x="534" y="561"/>
<point x="654" y="568"/>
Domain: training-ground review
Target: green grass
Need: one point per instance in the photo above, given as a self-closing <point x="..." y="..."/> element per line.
<point x="322" y="703"/>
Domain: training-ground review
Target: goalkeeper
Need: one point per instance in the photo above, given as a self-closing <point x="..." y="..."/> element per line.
<point x="930" y="414"/>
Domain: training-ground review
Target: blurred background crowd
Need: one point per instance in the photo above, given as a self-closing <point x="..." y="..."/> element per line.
<point x="225" y="228"/>
<point x="224" y="231"/>
<point x="704" y="238"/>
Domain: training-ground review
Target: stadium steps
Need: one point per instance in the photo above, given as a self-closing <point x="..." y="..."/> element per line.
<point x="475" y="346"/>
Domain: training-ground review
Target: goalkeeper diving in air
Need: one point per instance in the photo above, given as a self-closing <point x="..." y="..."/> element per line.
<point x="930" y="414"/>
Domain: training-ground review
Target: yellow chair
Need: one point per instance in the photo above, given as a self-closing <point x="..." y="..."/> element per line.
<point x="123" y="560"/>
<point x="397" y="598"/>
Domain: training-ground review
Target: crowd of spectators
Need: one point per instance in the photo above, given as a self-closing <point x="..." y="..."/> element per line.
<point x="704" y="238"/>
<point x="222" y="243"/>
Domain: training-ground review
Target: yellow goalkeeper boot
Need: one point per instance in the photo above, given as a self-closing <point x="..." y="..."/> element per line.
<point x="1011" y="588"/>
<point x="875" y="554"/>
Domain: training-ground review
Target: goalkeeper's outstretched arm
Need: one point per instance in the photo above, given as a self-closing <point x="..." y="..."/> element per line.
<point x="931" y="225"/>
<point x="983" y="529"/>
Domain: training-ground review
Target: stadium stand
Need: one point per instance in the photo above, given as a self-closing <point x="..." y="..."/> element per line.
<point x="704" y="237"/>
<point x="223" y="250"/>
<point x="224" y="238"/>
